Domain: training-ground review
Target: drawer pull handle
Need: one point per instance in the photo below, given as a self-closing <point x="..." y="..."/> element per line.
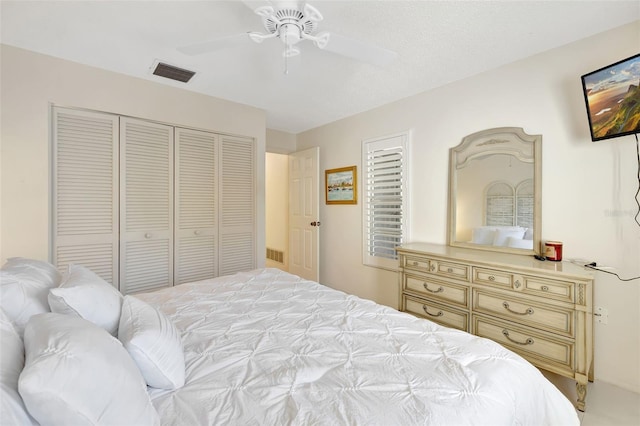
<point x="517" y="283"/>
<point x="415" y="263"/>
<point x="439" y="314"/>
<point x="529" y="311"/>
<point x="544" y="288"/>
<point x="529" y="340"/>
<point x="449" y="270"/>
<point x="147" y="235"/>
<point x="492" y="278"/>
<point x="438" y="290"/>
<point x="433" y="268"/>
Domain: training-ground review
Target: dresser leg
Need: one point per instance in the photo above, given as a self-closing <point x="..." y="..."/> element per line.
<point x="582" y="394"/>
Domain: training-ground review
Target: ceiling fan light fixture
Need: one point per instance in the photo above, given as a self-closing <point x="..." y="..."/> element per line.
<point x="266" y="12"/>
<point x="322" y="40"/>
<point x="290" y="51"/>
<point x="290" y="34"/>
<point x="311" y="13"/>
<point x="259" y="38"/>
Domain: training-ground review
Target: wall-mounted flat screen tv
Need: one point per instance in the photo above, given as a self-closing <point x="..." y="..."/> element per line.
<point x="612" y="95"/>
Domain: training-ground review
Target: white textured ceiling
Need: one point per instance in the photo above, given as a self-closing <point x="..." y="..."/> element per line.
<point x="437" y="42"/>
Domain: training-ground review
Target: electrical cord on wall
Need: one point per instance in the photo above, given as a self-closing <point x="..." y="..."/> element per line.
<point x="593" y="265"/>
<point x="638" y="191"/>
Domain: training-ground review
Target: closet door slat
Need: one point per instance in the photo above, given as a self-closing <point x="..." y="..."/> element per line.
<point x="196" y="233"/>
<point x="85" y="191"/>
<point x="146" y="205"/>
<point x="237" y="251"/>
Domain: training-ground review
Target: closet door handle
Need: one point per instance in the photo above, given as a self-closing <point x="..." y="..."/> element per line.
<point x="196" y="232"/>
<point x="147" y="235"/>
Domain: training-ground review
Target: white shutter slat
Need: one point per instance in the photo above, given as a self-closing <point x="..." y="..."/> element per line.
<point x="237" y="251"/>
<point x="196" y="205"/>
<point x="85" y="191"/>
<point x="146" y="200"/>
<point x="384" y="212"/>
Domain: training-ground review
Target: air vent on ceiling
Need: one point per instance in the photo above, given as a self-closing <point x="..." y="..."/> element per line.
<point x="174" y="73"/>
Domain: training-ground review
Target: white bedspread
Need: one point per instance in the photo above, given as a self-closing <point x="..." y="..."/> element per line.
<point x="269" y="348"/>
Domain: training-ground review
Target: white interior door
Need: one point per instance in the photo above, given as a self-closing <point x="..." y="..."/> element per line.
<point x="304" y="220"/>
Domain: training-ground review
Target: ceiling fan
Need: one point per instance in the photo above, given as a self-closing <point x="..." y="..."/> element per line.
<point x="294" y="22"/>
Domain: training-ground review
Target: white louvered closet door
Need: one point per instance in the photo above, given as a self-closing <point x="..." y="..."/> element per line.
<point x="195" y="256"/>
<point x="146" y="205"/>
<point x="237" y="247"/>
<point x="85" y="191"/>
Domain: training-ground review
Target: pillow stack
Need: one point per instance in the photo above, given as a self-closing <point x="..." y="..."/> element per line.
<point x="75" y="351"/>
<point x="84" y="294"/>
<point x="24" y="288"/>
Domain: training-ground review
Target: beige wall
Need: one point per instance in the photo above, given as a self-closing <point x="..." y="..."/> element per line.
<point x="277" y="205"/>
<point x="587" y="194"/>
<point x="280" y="142"/>
<point x="32" y="82"/>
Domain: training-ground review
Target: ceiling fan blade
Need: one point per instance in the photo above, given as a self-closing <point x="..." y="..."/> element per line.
<point x="213" y="45"/>
<point x="359" y="50"/>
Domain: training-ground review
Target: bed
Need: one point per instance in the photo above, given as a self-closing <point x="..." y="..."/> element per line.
<point x="268" y="348"/>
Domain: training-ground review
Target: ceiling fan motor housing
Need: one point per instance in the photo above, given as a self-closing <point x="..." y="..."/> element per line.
<point x="289" y="24"/>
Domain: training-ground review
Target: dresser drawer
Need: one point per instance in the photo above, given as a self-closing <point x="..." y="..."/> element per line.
<point x="551" y="289"/>
<point x="547" y="318"/>
<point x="450" y="270"/>
<point x="543" y="350"/>
<point x="416" y="263"/>
<point x="437" y="289"/>
<point x="435" y="312"/>
<point x="492" y="277"/>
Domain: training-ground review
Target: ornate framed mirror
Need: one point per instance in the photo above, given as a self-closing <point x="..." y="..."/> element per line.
<point x="495" y="191"/>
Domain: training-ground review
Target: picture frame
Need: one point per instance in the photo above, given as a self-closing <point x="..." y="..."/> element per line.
<point x="341" y="185"/>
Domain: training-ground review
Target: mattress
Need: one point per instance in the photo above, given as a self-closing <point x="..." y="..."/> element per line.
<point x="268" y="347"/>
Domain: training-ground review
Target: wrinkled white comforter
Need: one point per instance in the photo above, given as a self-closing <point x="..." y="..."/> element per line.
<point x="269" y="348"/>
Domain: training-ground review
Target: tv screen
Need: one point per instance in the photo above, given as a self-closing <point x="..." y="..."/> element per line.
<point x="612" y="95"/>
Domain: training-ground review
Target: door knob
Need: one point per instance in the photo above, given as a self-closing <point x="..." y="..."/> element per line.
<point x="315" y="223"/>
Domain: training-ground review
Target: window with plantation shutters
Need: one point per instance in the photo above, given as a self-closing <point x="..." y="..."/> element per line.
<point x="385" y="212"/>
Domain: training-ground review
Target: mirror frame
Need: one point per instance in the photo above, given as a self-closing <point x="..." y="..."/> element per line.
<point x="500" y="140"/>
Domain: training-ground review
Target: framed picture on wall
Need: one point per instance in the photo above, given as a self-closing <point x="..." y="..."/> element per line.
<point x="341" y="185"/>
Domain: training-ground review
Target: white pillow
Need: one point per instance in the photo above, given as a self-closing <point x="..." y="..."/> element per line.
<point x="528" y="234"/>
<point x="501" y="236"/>
<point x="12" y="409"/>
<point x="24" y="286"/>
<point x="153" y="342"/>
<point x="519" y="243"/>
<point x="83" y="293"/>
<point x="76" y="373"/>
<point x="482" y="235"/>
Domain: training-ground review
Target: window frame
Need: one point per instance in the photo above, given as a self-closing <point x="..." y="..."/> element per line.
<point x="396" y="141"/>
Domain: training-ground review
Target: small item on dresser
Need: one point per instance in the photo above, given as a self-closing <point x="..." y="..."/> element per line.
<point x="553" y="250"/>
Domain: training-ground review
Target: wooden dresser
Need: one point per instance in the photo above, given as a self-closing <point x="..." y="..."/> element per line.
<point x="541" y="310"/>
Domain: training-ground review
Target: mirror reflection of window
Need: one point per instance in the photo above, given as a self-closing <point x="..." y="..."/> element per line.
<point x="500" y="205"/>
<point x="524" y="204"/>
